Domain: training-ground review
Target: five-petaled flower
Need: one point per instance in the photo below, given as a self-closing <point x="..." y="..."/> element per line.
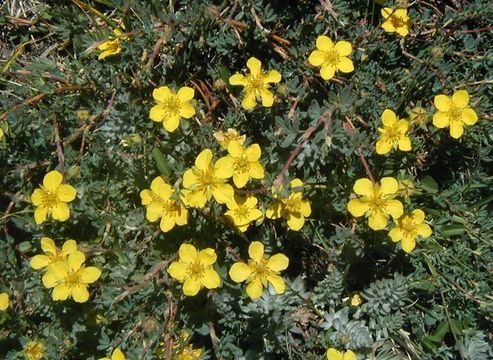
<point x="408" y="228"/>
<point x="333" y="354"/>
<point x="256" y="84"/>
<point x="396" y="20"/>
<point x="454" y="112"/>
<point x="377" y="201"/>
<point x="195" y="269"/>
<point x="393" y="134"/>
<point x="294" y="208"/>
<point x="171" y="107"/>
<point x="52" y="253"/>
<point x="34" y="350"/>
<point x="161" y="205"/>
<point x="70" y="278"/>
<point x="4" y="301"/>
<point x="331" y="57"/>
<point x="224" y="138"/>
<point x="260" y="271"/>
<point x="243" y="163"/>
<point x="242" y="211"/>
<point x="52" y="198"/>
<point x="205" y="180"/>
<point x="111" y="46"/>
<point x="117" y="354"/>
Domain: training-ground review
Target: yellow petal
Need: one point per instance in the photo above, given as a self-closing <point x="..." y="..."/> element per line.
<point x="344" y="48"/>
<point x="424" y="230"/>
<point x="66" y="193"/>
<point x="203" y="160"/>
<point x="388" y="117"/>
<point x="239" y="272"/>
<point x="189" y="178"/>
<point x="388" y="26"/>
<point x="394" y="208"/>
<point x="441" y="119"/>
<point x="357" y="208"/>
<point x="254" y="289"/>
<point x="37" y="197"/>
<point x="388" y="185"/>
<point x="333" y="354"/>
<point x="188" y="253"/>
<point x="240" y="179"/>
<point x="278" y="262"/>
<point x="80" y="293"/>
<point x="272" y="76"/>
<point x="349" y="355"/>
<point x="460" y="99"/>
<point x="118" y="355"/>
<point x="235" y="149"/>
<point x="275" y="212"/>
<point x="316" y="58"/>
<point x="469" y="116"/>
<point x="157" y="113"/>
<point x="60" y="211"/>
<point x="185" y="94"/>
<point x="377" y="221"/>
<point x="403" y="125"/>
<point x="249" y="101"/>
<point x="171" y="122"/>
<point x="396" y="234"/>
<point x="224" y="167"/>
<point x="267" y="97"/>
<point x="442" y="102"/>
<point x="456" y="129"/>
<point x="403" y="30"/>
<point x="211" y="279"/>
<point x="61" y="292"/>
<point x="295" y="221"/>
<point x="408" y="244"/>
<point x="187" y="111"/>
<point x="154" y="211"/>
<point x="404" y="144"/>
<point x="90" y="274"/>
<point x="324" y="43"/>
<point x="160" y="94"/>
<point x="363" y="187"/>
<point x="305" y="208"/>
<point x="76" y="259"/>
<point x="52" y="180"/>
<point x="50" y="279"/>
<point x="207" y="256"/>
<point x="327" y="72"/>
<point x="256" y="251"/>
<point x="237" y="79"/>
<point x="277" y="282"/>
<point x="4" y="301"/>
<point x="167" y="223"/>
<point x="39" y="261"/>
<point x="345" y="65"/>
<point x="146" y="197"/>
<point x="383" y="146"/>
<point x="40" y="214"/>
<point x="418" y="216"/>
<point x="223" y="193"/>
<point x="69" y="247"/>
<point x="178" y="271"/>
<point x="386" y="12"/>
<point x="48" y="245"/>
<point x="191" y="287"/>
<point x="254" y="65"/>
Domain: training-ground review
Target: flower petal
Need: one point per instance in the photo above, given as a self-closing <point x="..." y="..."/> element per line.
<point x="39" y="261"/>
<point x="237" y="79"/>
<point x="254" y="289"/>
<point x="223" y="193"/>
<point x="394" y="208"/>
<point x="60" y="211"/>
<point x="344" y="48"/>
<point x="203" y="160"/>
<point x="157" y="113"/>
<point x="235" y="149"/>
<point x="404" y="143"/>
<point x="224" y="167"/>
<point x="349" y="355"/>
<point x="167" y="223"/>
<point x="191" y="286"/>
<point x="456" y="129"/>
<point x="239" y="272"/>
<point x="396" y="234"/>
<point x="316" y="57"/>
<point x="277" y="282"/>
<point x="357" y="208"/>
<point x="80" y="293"/>
<point x="388" y="117"/>
<point x="469" y="116"/>
<point x="345" y="65"/>
<point x="388" y="185"/>
<point x="442" y="102"/>
<point x="37" y="197"/>
<point x="189" y="178"/>
<point x="256" y="251"/>
<point x="171" y="122"/>
<point x="254" y="65"/>
<point x="52" y="180"/>
<point x="240" y="179"/>
<point x="76" y="259"/>
<point x="441" y="119"/>
<point x="408" y="243"/>
<point x="363" y="187"/>
<point x="61" y="292"/>
<point x="178" y="271"/>
<point x="160" y="94"/>
<point x="48" y="245"/>
<point x="69" y="247"/>
<point x="327" y="72"/>
<point x="273" y="76"/>
<point x="50" y="279"/>
<point x="424" y="230"/>
<point x="256" y="170"/>
<point x="90" y="274"/>
<point x="66" y="193"/>
<point x="267" y="97"/>
<point x="188" y="253"/>
<point x="187" y="111"/>
<point x="295" y="221"/>
<point x="377" y="221"/>
<point x="119" y="355"/>
<point x="249" y="101"/>
<point x="324" y="43"/>
<point x="383" y="146"/>
<point x="185" y="94"/>
<point x="40" y="214"/>
<point x="211" y="279"/>
<point x="207" y="256"/>
<point x="278" y="262"/>
<point x="418" y="216"/>
<point x="460" y="99"/>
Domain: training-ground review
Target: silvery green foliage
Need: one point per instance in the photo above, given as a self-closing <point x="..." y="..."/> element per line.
<point x="384" y="296"/>
<point x="385" y="326"/>
<point x="386" y="350"/>
<point x="329" y="290"/>
<point x="476" y="347"/>
<point x="352" y="334"/>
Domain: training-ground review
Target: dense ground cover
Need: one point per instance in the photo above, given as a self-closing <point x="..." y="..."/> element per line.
<point x="246" y="179"/>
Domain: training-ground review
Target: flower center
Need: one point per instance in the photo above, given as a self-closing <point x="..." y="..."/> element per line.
<point x="172" y="105"/>
<point x="35" y="351"/>
<point x="255" y="83"/>
<point x="242" y="212"/>
<point x="242" y="165"/>
<point x="397" y="22"/>
<point x="292" y="204"/>
<point x="72" y="279"/>
<point x="261" y="267"/>
<point x="196" y="269"/>
<point x="455" y="113"/>
<point x="331" y="57"/>
<point x="50" y="198"/>
<point x="407" y="225"/>
<point x="393" y="134"/>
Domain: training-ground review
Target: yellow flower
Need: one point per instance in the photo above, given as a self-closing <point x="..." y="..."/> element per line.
<point x="189" y="353"/>
<point x="453" y="112"/>
<point x="34" y="350"/>
<point x="377" y="202"/>
<point x="256" y="84"/>
<point x="51" y="198"/>
<point x="70" y="278"/>
<point x="260" y="271"/>
<point x="111" y="46"/>
<point x="418" y="116"/>
<point x="331" y="57"/>
<point x="396" y="20"/>
<point x="333" y="354"/>
<point x="194" y="269"/>
<point x="4" y="301"/>
<point x="294" y="207"/>
<point x="393" y="134"/>
<point x="52" y="253"/>
<point x="224" y="138"/>
<point x="242" y="211"/>
<point x="172" y="107"/>
<point x="356" y="300"/>
<point x="161" y="205"/>
<point x="243" y="163"/>
<point x="205" y="180"/>
<point x="116" y="355"/>
<point x="408" y="228"/>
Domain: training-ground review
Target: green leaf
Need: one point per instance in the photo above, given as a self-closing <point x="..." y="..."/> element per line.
<point x="161" y="162"/>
